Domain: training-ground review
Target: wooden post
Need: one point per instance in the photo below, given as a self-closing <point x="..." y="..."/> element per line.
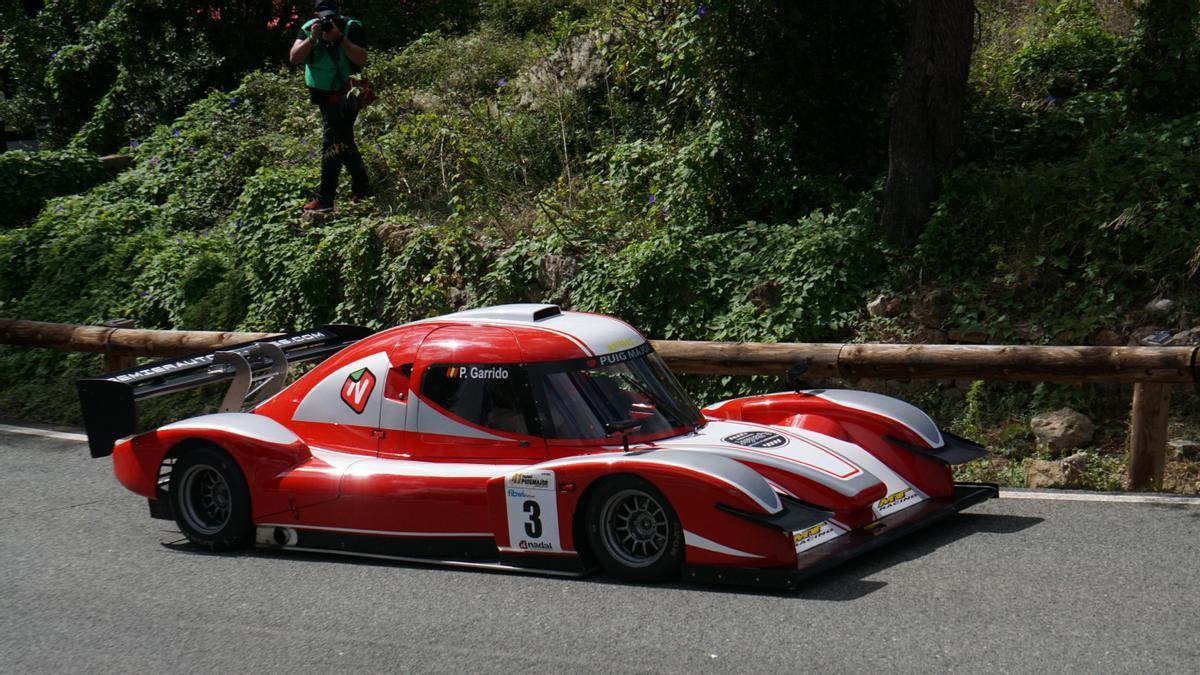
<point x="1148" y="435"/>
<point x="114" y="361"/>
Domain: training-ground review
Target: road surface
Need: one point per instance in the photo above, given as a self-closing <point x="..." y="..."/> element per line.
<point x="88" y="582"/>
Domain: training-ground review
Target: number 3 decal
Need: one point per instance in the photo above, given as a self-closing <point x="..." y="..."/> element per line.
<point x="534" y="527"/>
<point x="531" y="509"/>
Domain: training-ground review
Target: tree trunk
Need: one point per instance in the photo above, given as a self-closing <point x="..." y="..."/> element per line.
<point x="926" y="114"/>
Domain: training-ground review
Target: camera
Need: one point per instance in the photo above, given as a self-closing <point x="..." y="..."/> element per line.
<point x="326" y="24"/>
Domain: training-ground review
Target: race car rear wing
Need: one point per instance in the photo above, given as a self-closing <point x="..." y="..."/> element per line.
<point x="256" y="369"/>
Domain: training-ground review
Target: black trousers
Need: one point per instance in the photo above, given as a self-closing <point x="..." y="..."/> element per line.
<point x="338" y="149"/>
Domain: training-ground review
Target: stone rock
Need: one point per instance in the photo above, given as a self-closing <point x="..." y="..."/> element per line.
<point x="1183" y="448"/>
<point x="1160" y="306"/>
<point x="969" y="336"/>
<point x="556" y="270"/>
<point x="1044" y="473"/>
<point x="1063" y="429"/>
<point x="930" y="336"/>
<point x="878" y="306"/>
<point x="116" y="163"/>
<point x="1107" y="337"/>
<point x="1187" y="338"/>
<point x="932" y="308"/>
<point x="1048" y="473"/>
<point x="1074" y="467"/>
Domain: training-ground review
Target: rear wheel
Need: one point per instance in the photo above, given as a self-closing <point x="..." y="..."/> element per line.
<point x="210" y="500"/>
<point x="633" y="530"/>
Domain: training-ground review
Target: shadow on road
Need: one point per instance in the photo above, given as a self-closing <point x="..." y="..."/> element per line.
<point x="849" y="583"/>
<point x="845" y="583"/>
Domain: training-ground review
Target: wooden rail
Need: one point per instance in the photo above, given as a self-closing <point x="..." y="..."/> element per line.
<point x="1150" y="369"/>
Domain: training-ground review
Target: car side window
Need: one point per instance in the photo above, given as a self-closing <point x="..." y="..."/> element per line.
<point x="489" y="395"/>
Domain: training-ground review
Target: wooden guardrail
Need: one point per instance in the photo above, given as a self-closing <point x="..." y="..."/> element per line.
<point x="1152" y="370"/>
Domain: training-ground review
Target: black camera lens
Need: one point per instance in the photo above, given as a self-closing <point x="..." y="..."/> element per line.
<point x="326" y="24"/>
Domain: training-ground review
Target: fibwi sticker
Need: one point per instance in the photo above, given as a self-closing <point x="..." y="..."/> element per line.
<point x="531" y="502"/>
<point x="356" y="390"/>
<point x="757" y="439"/>
<point x="816" y="535"/>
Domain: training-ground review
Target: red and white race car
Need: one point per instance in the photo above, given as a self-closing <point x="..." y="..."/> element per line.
<point x="523" y="437"/>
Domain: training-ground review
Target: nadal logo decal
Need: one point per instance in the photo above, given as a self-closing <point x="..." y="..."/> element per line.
<point x="357" y="389"/>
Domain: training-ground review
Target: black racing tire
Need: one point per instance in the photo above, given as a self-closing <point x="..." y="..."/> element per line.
<point x="633" y="531"/>
<point x="210" y="499"/>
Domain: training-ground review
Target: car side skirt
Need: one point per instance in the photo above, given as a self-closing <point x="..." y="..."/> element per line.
<point x="856" y="543"/>
<point x="454" y="551"/>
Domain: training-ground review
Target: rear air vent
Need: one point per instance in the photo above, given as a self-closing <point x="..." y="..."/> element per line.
<point x="546" y="312"/>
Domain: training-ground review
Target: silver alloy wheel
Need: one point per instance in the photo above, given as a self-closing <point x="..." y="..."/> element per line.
<point x="635" y="528"/>
<point x="206" y="500"/>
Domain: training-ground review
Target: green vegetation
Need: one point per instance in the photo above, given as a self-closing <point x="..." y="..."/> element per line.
<point x="705" y="171"/>
<point x="31" y="178"/>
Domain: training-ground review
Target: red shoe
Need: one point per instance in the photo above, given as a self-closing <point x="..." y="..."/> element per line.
<point x="317" y="206"/>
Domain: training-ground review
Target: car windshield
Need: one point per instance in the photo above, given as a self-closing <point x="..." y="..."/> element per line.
<point x="588" y="399"/>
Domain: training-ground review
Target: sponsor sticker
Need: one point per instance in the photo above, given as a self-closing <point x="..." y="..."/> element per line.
<point x="897" y="501"/>
<point x="816" y="535"/>
<point x="618" y="345"/>
<point x="620" y="357"/>
<point x="193" y="361"/>
<point x="531" y="503"/>
<point x="757" y="439"/>
<point x="356" y="390"/>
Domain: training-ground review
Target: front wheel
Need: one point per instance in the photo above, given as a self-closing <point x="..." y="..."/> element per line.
<point x="633" y="530"/>
<point x="210" y="500"/>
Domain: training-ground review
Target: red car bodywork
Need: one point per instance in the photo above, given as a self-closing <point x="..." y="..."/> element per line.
<point x="371" y="452"/>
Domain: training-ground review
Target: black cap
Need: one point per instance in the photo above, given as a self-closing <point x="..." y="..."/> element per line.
<point x="326" y="8"/>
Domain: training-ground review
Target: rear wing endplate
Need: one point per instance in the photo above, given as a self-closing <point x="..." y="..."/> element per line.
<point x="257" y="369"/>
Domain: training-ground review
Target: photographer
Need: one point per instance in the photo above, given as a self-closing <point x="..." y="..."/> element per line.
<point x="333" y="47"/>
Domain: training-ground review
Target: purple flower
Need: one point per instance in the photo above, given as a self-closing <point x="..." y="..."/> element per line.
<point x="652" y="199"/>
<point x="379" y="149"/>
<point x="58" y="208"/>
<point x="501" y="82"/>
<point x="701" y="11"/>
<point x="228" y="154"/>
<point x="238" y="225"/>
<point x="143" y="293"/>
<point x="192" y="149"/>
<point x="154" y="161"/>
<point x="174" y="131"/>
<point x="135" y="144"/>
<point x="707" y="102"/>
<point x="178" y="240"/>
<point x="303" y="141"/>
<point x="233" y="101"/>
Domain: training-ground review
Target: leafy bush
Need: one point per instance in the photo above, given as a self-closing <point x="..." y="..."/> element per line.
<point x="28" y="179"/>
<point x="1078" y="54"/>
<point x="1097" y="234"/>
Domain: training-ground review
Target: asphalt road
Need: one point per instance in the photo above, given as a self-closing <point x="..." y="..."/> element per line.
<point x="88" y="582"/>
